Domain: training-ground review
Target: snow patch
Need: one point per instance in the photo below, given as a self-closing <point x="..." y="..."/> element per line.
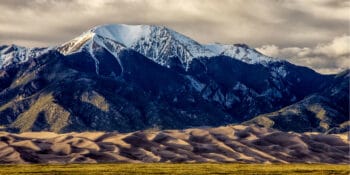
<point x="280" y="70"/>
<point x="91" y="50"/>
<point x="241" y="52"/>
<point x="17" y="54"/>
<point x="76" y="44"/>
<point x="198" y="86"/>
<point x="124" y="34"/>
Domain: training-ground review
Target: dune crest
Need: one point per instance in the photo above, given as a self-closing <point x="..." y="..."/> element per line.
<point x="240" y="143"/>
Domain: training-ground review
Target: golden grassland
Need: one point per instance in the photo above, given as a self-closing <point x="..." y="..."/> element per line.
<point x="171" y="168"/>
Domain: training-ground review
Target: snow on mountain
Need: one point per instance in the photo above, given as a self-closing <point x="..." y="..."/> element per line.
<point x="94" y="39"/>
<point x="141" y="93"/>
<point x="160" y="43"/>
<point x="124" y="34"/>
<point x="239" y="51"/>
<point x="76" y="44"/>
<point x="17" y="54"/>
<point x="163" y="43"/>
<point x="155" y="42"/>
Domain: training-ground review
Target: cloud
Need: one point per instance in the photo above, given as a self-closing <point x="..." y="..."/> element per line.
<point x="279" y="22"/>
<point x="329" y="57"/>
<point x="282" y="24"/>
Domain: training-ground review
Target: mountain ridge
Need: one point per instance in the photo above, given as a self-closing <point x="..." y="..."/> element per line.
<point x="95" y="82"/>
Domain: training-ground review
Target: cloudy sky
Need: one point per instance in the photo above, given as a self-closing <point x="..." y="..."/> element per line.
<point x="314" y="33"/>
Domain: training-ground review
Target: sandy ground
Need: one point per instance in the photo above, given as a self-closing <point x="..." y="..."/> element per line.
<point x="239" y="143"/>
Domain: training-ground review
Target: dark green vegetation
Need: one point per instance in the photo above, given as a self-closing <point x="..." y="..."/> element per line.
<point x="135" y="169"/>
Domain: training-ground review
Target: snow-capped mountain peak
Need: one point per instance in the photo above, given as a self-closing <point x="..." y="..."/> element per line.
<point x="157" y="43"/>
<point x="241" y="52"/>
<point x="10" y="54"/>
<point x="124" y="34"/>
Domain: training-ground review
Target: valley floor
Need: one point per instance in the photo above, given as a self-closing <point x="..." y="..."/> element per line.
<point x="169" y="168"/>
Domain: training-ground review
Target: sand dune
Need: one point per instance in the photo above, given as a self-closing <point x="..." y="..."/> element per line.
<point x="223" y="144"/>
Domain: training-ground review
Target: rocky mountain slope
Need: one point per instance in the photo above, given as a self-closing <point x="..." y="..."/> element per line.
<point x="126" y="78"/>
<point x="326" y="111"/>
<point x="224" y="144"/>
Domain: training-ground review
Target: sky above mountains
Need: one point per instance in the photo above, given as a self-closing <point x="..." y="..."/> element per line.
<point x="314" y="33"/>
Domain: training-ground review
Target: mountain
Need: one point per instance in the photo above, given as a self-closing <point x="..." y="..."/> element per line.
<point x="10" y="54"/>
<point x="326" y="111"/>
<point x="158" y="43"/>
<point x="241" y="52"/>
<point x="126" y="78"/>
<point x="155" y="42"/>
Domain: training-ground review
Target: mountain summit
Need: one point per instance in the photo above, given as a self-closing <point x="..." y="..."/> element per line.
<point x="130" y="77"/>
<point x="158" y="43"/>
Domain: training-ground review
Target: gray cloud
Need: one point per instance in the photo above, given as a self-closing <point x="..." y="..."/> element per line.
<point x="278" y="22"/>
<point x="284" y="23"/>
<point x="330" y="57"/>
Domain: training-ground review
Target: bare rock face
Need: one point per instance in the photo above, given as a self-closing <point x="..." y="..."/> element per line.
<point x="223" y="144"/>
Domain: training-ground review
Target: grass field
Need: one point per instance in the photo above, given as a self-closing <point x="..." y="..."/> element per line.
<point x="187" y="169"/>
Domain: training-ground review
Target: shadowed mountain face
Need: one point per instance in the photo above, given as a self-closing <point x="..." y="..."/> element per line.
<point x="325" y="111"/>
<point x="52" y="93"/>
<point x="223" y="144"/>
<point x="101" y="81"/>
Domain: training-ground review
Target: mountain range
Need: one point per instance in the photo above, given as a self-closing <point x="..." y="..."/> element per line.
<point x="131" y="77"/>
